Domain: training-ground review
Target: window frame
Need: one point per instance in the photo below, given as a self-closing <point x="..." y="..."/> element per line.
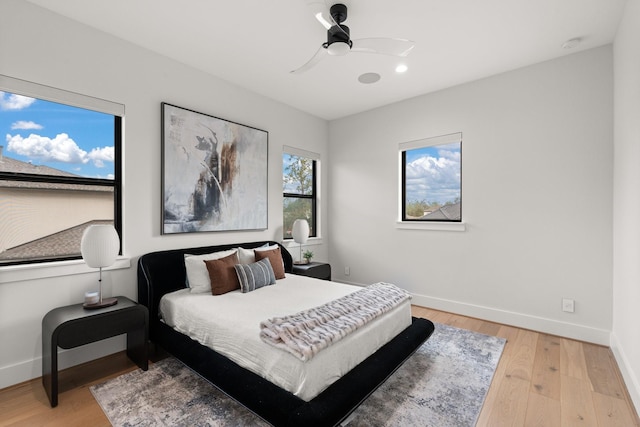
<point x="315" y="159"/>
<point x="47" y="93"/>
<point x="402" y="152"/>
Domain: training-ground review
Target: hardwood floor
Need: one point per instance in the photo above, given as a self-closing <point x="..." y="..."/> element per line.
<point x="541" y="380"/>
<point x="545" y="380"/>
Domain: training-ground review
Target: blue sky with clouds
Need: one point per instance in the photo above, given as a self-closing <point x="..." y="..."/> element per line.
<point x="67" y="138"/>
<point x="433" y="173"/>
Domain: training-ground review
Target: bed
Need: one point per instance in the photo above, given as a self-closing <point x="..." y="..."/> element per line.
<point x="164" y="273"/>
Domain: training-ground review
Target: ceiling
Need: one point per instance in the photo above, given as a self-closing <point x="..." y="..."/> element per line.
<point x="256" y="43"/>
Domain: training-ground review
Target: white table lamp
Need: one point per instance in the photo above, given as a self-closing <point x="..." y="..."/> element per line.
<point x="300" y="233"/>
<point x="100" y="246"/>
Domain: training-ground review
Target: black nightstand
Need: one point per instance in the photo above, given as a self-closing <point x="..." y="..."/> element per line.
<point x="73" y="326"/>
<point x="319" y="270"/>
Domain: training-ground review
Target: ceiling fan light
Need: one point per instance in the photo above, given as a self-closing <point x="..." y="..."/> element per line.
<point x="338" y="48"/>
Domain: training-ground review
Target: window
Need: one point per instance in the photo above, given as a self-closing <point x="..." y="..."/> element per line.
<point x="59" y="170"/>
<point x="299" y="176"/>
<point x="431" y="179"/>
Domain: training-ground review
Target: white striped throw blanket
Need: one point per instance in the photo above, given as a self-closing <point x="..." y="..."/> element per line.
<point x="305" y="333"/>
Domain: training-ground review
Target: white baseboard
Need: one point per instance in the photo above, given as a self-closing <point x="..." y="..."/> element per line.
<point x="30" y="369"/>
<point x="539" y="324"/>
<point x="534" y="323"/>
<point x="630" y="377"/>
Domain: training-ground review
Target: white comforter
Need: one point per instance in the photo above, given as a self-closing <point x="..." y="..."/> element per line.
<point x="230" y="324"/>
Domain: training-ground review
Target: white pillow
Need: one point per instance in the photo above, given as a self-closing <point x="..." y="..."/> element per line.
<point x="246" y="256"/>
<point x="197" y="274"/>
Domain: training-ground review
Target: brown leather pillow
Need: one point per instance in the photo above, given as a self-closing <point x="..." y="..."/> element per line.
<point x="222" y="274"/>
<point x="275" y="257"/>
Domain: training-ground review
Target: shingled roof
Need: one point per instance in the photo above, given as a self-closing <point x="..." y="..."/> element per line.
<point x="61" y="244"/>
<point x="447" y="213"/>
<point x="8" y="164"/>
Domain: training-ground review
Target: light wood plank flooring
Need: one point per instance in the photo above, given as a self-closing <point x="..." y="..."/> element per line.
<point x="541" y="380"/>
<point x="545" y="380"/>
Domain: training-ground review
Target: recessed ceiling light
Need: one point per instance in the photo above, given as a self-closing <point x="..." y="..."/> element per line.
<point x="368" y="78"/>
<point x="401" y="68"/>
<point x="571" y="43"/>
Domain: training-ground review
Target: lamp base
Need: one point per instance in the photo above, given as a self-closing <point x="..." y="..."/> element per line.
<point x="106" y="302"/>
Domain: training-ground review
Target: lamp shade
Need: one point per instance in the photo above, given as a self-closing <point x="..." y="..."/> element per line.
<point x="100" y="245"/>
<point x="300" y="231"/>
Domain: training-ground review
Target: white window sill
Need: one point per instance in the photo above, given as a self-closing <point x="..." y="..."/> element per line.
<point x="437" y="226"/>
<point x="17" y="273"/>
<point x="289" y="243"/>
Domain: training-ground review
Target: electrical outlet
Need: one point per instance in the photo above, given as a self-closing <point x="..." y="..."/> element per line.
<point x="568" y="305"/>
<point x="347" y="271"/>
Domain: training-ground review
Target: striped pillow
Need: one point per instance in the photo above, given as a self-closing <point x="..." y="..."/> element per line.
<point x="256" y="275"/>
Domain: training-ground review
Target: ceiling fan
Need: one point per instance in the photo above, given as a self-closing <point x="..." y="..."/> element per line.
<point x="339" y="40"/>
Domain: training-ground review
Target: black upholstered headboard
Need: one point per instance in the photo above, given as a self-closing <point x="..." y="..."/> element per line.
<point x="164" y="271"/>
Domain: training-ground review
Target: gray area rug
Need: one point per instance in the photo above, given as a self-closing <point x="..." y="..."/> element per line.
<point x="443" y="384"/>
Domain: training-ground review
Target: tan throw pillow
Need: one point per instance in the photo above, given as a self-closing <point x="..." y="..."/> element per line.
<point x="222" y="274"/>
<point x="275" y="257"/>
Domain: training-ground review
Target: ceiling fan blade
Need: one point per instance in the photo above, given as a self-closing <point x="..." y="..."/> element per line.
<point x="387" y="46"/>
<point x="319" y="55"/>
<point x="321" y="12"/>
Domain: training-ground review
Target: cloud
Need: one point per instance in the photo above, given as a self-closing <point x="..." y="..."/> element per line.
<point x="10" y="101"/>
<point x="42" y="148"/>
<point x="434" y="179"/>
<point x="450" y="155"/>
<point x="101" y="155"/>
<point x="62" y="148"/>
<point x="23" y="125"/>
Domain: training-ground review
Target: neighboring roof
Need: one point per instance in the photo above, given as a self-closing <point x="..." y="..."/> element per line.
<point x="53" y="186"/>
<point x="62" y="243"/>
<point x="7" y="164"/>
<point x="446" y="212"/>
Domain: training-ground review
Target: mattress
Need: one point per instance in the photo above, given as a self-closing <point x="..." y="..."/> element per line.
<point x="230" y="325"/>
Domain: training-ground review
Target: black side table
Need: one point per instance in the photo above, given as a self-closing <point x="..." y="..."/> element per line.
<point x="319" y="270"/>
<point x="73" y="326"/>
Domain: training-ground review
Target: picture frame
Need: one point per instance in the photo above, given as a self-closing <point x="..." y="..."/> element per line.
<point x="214" y="173"/>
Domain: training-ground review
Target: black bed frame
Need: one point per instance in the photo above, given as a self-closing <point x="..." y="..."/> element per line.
<point x="164" y="271"/>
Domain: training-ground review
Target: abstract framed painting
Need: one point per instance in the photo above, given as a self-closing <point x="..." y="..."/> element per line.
<point x="214" y="173"/>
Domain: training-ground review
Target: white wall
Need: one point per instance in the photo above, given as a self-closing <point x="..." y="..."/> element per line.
<point x="45" y="48"/>
<point x="625" y="340"/>
<point x="537" y="158"/>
